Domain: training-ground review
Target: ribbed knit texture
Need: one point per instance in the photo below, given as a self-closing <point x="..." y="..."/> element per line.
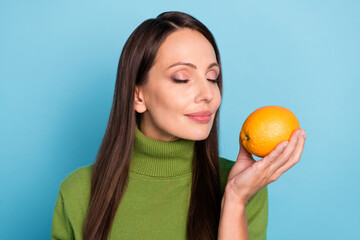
<point x="161" y="159"/>
<point x="155" y="203"/>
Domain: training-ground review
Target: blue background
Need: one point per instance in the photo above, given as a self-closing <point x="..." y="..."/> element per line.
<point x="58" y="62"/>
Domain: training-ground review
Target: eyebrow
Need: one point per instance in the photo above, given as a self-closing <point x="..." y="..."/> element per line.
<point x="193" y="66"/>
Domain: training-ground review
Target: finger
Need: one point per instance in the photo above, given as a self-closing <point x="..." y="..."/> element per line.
<point x="274" y="154"/>
<point x="243" y="153"/>
<point x="280" y="150"/>
<point x="285" y="156"/>
<point x="295" y="158"/>
<point x="266" y="163"/>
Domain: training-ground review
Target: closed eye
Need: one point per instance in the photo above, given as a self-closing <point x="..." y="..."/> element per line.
<point x="179" y="80"/>
<point x="214" y="80"/>
<point x="186" y="80"/>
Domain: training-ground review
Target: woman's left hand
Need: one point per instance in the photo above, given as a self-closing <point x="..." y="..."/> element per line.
<point x="248" y="176"/>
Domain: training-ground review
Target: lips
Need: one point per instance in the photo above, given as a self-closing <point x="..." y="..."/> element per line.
<point x="199" y="114"/>
<point x="201" y="117"/>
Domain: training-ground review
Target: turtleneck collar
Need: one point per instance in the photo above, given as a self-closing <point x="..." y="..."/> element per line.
<point x="160" y="158"/>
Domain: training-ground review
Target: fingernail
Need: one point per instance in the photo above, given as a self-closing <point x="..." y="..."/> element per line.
<point x="285" y="144"/>
<point x="298" y="134"/>
<point x="304" y="134"/>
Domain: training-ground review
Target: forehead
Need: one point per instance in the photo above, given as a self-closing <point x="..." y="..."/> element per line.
<point x="185" y="45"/>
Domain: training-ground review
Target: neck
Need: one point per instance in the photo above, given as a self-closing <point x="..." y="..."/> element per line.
<point x="161" y="158"/>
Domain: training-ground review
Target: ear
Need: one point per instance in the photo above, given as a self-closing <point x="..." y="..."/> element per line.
<point x="139" y="102"/>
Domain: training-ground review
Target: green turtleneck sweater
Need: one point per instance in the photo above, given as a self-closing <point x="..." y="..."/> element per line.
<point x="155" y="203"/>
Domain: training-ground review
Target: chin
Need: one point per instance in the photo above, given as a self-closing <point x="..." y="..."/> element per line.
<point x="199" y="134"/>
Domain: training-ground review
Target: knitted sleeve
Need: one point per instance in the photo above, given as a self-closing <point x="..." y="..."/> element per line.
<point x="256" y="208"/>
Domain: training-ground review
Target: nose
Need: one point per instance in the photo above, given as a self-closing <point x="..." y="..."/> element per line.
<point x="205" y="90"/>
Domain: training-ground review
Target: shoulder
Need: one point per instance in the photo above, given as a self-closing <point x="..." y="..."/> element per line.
<point x="72" y="203"/>
<point x="225" y="167"/>
<point x="78" y="182"/>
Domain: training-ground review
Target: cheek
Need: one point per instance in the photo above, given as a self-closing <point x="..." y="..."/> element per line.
<point x="167" y="104"/>
<point x="217" y="98"/>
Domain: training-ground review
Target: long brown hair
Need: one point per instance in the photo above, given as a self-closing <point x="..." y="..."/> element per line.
<point x="111" y="167"/>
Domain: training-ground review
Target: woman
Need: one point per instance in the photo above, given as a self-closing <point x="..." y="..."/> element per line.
<point x="158" y="174"/>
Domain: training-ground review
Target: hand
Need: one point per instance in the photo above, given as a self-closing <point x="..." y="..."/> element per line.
<point x="248" y="176"/>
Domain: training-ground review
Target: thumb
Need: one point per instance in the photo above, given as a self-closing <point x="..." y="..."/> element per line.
<point x="243" y="153"/>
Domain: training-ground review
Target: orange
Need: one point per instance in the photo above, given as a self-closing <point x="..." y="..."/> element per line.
<point x="266" y="127"/>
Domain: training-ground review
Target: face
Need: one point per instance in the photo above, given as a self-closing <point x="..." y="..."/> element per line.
<point x="174" y="92"/>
